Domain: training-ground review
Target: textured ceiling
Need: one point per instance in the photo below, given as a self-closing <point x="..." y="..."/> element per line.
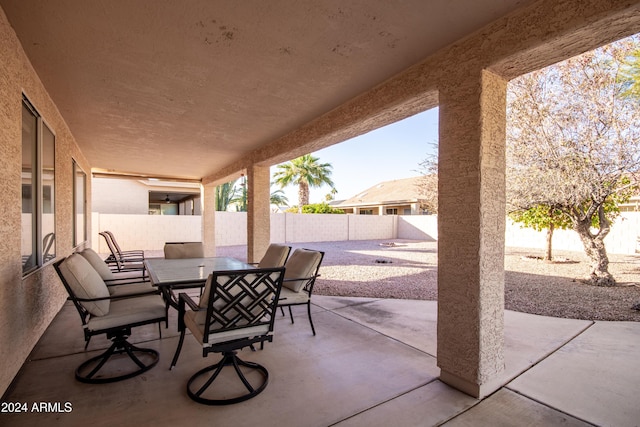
<point x="186" y="88"/>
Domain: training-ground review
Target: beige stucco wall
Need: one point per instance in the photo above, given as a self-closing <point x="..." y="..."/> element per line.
<point x="418" y="227"/>
<point x="146" y="232"/>
<point x="149" y="232"/>
<point x="27" y="305"/>
<point x="123" y="196"/>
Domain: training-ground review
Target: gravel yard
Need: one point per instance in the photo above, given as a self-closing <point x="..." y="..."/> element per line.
<point x="408" y="270"/>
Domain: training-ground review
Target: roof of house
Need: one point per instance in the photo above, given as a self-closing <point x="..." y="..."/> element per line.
<point x="396" y="191"/>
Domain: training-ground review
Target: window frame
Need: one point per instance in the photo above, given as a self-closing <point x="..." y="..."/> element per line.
<point x="79" y="191"/>
<point x="37" y="191"/>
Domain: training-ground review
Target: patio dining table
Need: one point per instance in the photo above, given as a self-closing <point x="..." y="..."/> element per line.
<point x="170" y="274"/>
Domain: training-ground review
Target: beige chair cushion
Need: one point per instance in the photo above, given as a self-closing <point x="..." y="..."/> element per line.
<point x="128" y="311"/>
<point x="183" y="250"/>
<point x="85" y="282"/>
<point x="302" y="263"/>
<point x="287" y="296"/>
<point x="97" y="263"/>
<point x="275" y="256"/>
<point x="194" y="320"/>
<point x="204" y="298"/>
<point x="131" y="289"/>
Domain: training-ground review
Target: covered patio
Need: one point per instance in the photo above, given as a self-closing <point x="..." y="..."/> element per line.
<point x="373" y="363"/>
<point x="206" y="91"/>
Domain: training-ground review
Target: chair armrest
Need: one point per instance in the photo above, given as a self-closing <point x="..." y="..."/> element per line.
<point x="117" y="298"/>
<point x="126" y="281"/>
<point x="184" y="299"/>
<point x="189" y="301"/>
<point x="295" y="279"/>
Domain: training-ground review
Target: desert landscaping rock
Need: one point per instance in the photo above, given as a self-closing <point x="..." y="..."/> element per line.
<point x="531" y="284"/>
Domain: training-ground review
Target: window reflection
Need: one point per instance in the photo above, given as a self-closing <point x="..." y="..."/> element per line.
<point x="29" y="141"/>
<point x="48" y="195"/>
<point x="79" y="205"/>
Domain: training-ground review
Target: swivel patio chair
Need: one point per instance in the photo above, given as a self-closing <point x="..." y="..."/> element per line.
<point x="236" y="311"/>
<point x="300" y="277"/>
<point x="115" y="316"/>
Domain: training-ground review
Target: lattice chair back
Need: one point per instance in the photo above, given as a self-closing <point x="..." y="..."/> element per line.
<point x="237" y="300"/>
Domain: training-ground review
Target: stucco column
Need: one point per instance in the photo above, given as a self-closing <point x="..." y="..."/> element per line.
<point x="208" y="200"/>
<point x="258" y="212"/>
<point x="471" y="227"/>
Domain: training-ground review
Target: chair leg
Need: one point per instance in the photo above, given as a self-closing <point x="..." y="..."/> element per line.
<point x="310" y="321"/>
<point x="229" y="358"/>
<point x="120" y="345"/>
<point x="291" y="314"/>
<point x="178" y="349"/>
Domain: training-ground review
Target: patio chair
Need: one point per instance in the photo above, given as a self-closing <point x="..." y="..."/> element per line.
<point x="236" y="311"/>
<point x="275" y="256"/>
<point x="300" y="277"/>
<point x="119" y="284"/>
<point x="176" y="250"/>
<point x="122" y="260"/>
<point x="115" y="316"/>
<point x="132" y="253"/>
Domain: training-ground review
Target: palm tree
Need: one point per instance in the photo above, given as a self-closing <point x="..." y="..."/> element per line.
<point x="226" y="194"/>
<point x="304" y="172"/>
<point x="278" y="198"/>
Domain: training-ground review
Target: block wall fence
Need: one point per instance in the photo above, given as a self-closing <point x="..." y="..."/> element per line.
<point x="150" y="232"/>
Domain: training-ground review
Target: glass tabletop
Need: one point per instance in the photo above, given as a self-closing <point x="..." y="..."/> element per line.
<point x="171" y="272"/>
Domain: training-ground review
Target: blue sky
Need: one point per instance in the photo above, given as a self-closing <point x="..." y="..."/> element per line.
<point x="391" y="152"/>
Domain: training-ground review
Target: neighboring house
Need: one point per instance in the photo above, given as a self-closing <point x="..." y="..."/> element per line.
<point x="397" y="197"/>
<point x="145" y="197"/>
<point x="633" y="205"/>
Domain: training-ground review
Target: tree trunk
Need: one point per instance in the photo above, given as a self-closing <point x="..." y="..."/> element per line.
<point x="595" y="249"/>
<point x="548" y="255"/>
<point x="303" y="195"/>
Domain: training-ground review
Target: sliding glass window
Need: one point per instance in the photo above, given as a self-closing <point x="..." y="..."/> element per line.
<point x="38" y="190"/>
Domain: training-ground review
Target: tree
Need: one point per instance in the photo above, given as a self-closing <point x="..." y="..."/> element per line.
<point x="226" y="194"/>
<point x="305" y="172"/>
<point x="573" y="145"/>
<point x="543" y="217"/>
<point x="331" y="195"/>
<point x="630" y="74"/>
<point x="321" y="208"/>
<point x="278" y="198"/>
<point x="428" y="184"/>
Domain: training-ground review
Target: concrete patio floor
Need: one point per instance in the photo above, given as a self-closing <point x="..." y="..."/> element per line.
<point x="372" y="363"/>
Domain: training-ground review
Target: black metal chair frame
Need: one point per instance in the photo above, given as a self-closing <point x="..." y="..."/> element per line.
<point x="233" y="315"/>
<point x="122" y="260"/>
<point x="308" y="288"/>
<point x="118" y="335"/>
